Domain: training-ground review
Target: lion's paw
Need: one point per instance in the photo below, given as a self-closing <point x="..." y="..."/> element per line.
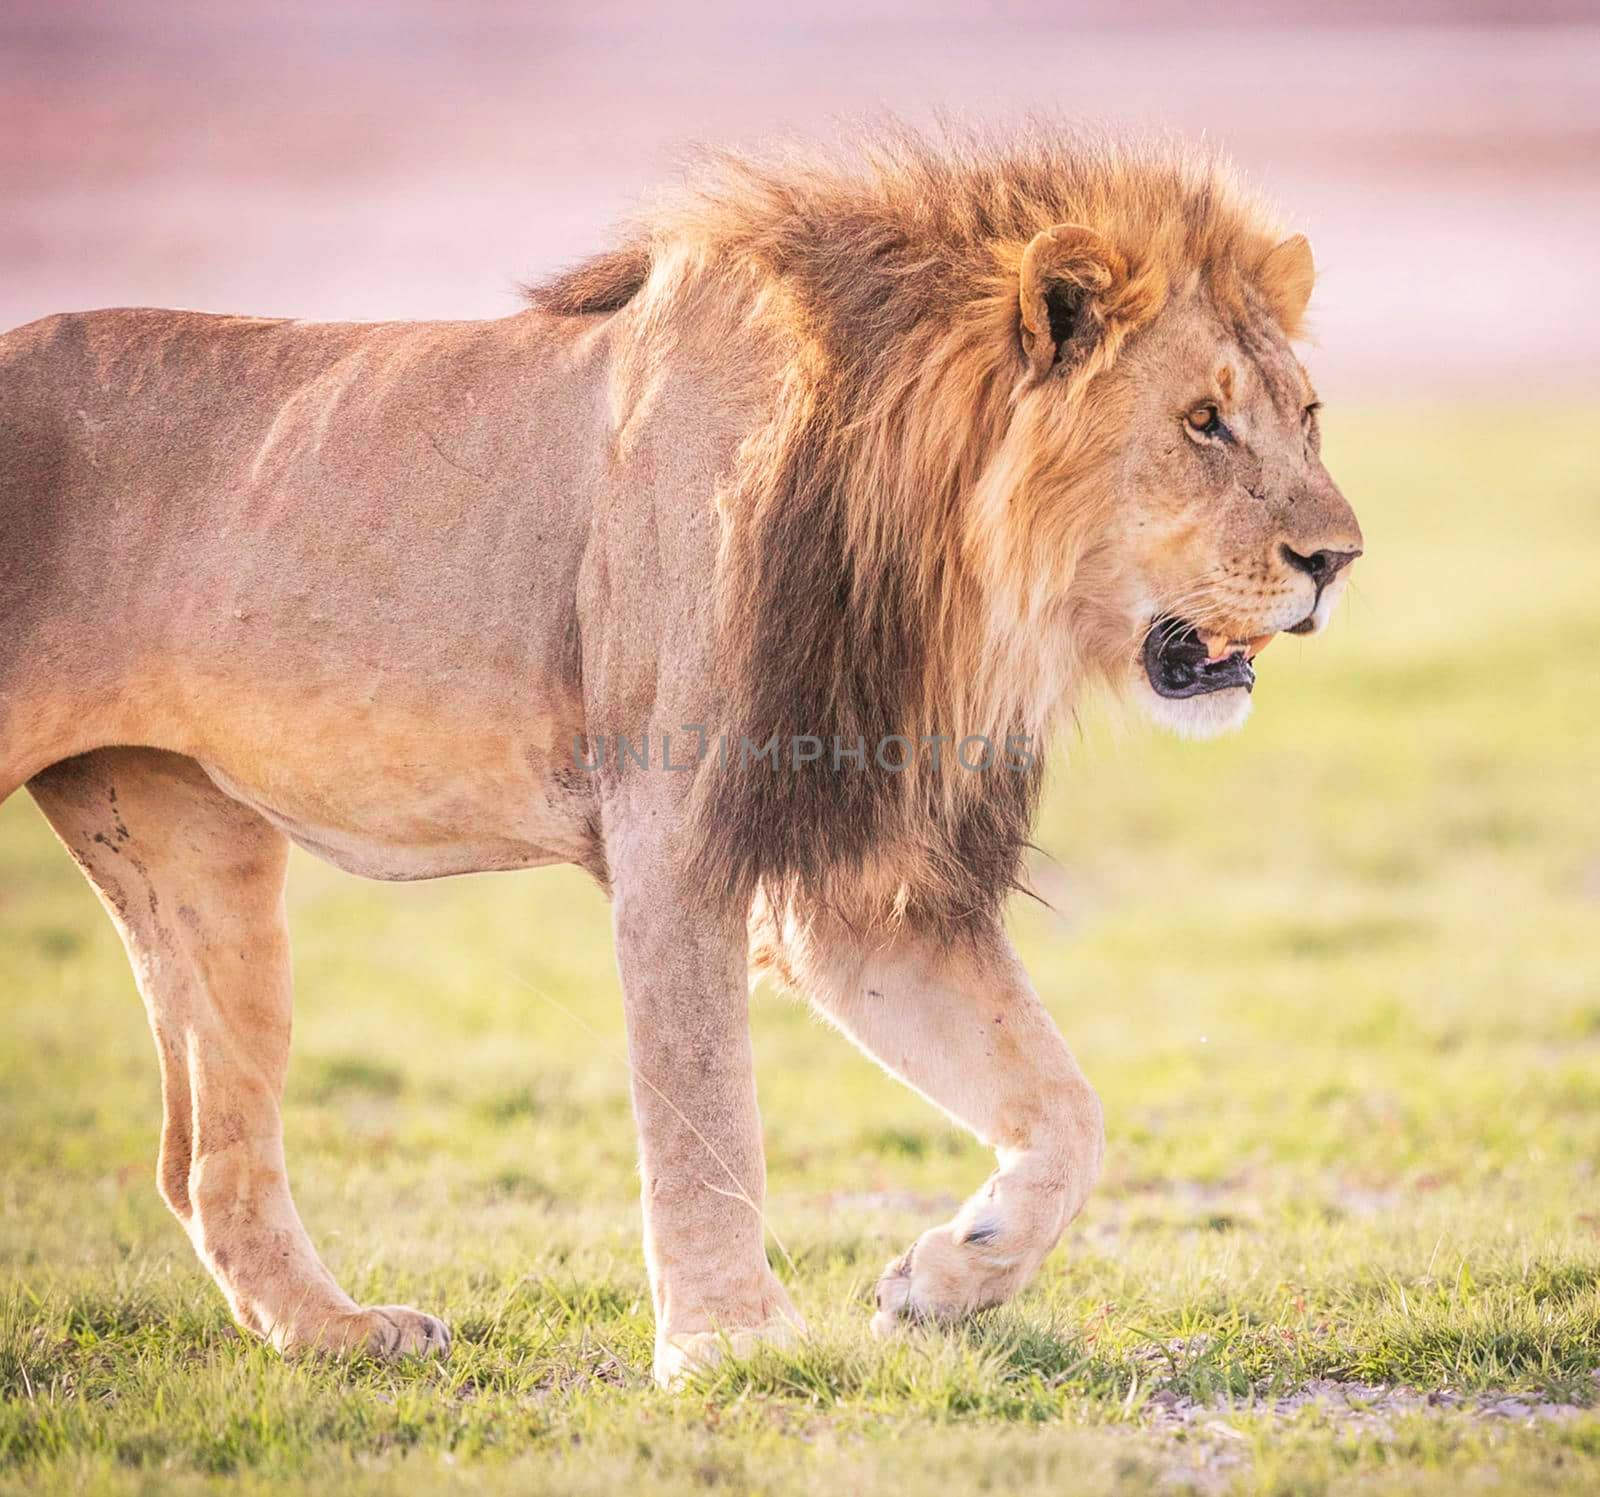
<point x="386" y="1332"/>
<point x="945" y="1275"/>
<point x="680" y="1358"/>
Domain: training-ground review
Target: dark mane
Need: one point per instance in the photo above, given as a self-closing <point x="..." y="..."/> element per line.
<point x="605" y="282"/>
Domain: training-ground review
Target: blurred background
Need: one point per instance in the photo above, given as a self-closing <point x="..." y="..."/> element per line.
<point x="1337" y="978"/>
<point x="408" y="159"/>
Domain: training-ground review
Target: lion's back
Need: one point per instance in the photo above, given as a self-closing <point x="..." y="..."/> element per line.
<point x="112" y="423"/>
<point x="187" y="498"/>
<point x="100" y="408"/>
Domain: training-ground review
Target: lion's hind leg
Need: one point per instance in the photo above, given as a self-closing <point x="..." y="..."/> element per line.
<point x="194" y="882"/>
<point x="959" y="1021"/>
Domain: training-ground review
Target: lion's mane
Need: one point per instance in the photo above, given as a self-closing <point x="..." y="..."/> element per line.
<point x="910" y="541"/>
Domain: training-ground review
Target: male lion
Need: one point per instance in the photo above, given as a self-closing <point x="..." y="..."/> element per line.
<point x="908" y="444"/>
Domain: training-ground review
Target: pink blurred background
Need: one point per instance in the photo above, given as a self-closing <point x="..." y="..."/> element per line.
<point x="415" y="159"/>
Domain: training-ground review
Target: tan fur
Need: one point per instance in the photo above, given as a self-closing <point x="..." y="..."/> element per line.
<point x="890" y="443"/>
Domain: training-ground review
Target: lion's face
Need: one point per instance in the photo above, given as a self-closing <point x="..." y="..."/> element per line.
<point x="1229" y="528"/>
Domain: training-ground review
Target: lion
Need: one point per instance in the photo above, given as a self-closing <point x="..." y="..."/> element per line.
<point x="910" y="442"/>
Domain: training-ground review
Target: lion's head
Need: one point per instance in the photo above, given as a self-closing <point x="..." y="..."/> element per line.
<point x="1216" y="524"/>
<point x="1034" y="421"/>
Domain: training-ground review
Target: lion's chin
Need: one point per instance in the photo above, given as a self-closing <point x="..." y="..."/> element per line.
<point x="1207" y="716"/>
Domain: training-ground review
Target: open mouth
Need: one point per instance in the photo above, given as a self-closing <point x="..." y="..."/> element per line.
<point x="1182" y="662"/>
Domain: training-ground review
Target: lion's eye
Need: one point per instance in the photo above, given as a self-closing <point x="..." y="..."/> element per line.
<point x="1310" y="412"/>
<point x="1204" y="421"/>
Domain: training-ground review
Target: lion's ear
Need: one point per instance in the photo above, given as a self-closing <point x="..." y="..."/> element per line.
<point x="1065" y="271"/>
<point x="1286" y="275"/>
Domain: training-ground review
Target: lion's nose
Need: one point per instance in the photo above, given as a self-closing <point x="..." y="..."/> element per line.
<point x="1320" y="566"/>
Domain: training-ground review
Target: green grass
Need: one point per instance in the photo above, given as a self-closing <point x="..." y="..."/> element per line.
<point x="1337" y="980"/>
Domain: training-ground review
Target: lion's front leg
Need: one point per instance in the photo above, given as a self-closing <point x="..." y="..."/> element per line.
<point x="960" y="1023"/>
<point x="686" y="994"/>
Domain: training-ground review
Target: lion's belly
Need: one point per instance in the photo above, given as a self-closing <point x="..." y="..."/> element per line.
<point x="394" y="782"/>
<point x="417" y="820"/>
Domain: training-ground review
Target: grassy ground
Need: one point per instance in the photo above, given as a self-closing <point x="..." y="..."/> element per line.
<point x="1336" y="980"/>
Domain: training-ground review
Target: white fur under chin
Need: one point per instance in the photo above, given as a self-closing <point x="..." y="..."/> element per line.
<point x="1208" y="716"/>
